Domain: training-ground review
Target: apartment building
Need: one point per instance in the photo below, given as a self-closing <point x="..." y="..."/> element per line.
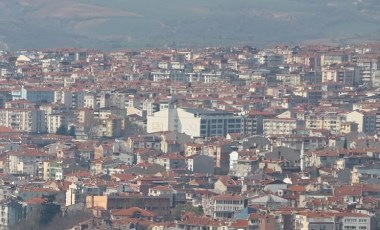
<point x="323" y="158"/>
<point x="314" y="220"/>
<point x="144" y="142"/>
<point x="279" y="126"/>
<point x="252" y="123"/>
<point x="73" y="99"/>
<point x="194" y="122"/>
<point x="26" y="161"/>
<point x="27" y="120"/>
<point x="366" y="120"/>
<point x="56" y="120"/>
<point x="331" y="121"/>
<point x="361" y="173"/>
<point x="271" y="59"/>
<point x="124" y="100"/>
<point x="53" y="170"/>
<point x="295" y="141"/>
<point x="227" y="206"/>
<point x="11" y="212"/>
<point x="113" y="126"/>
<point x="19" y="104"/>
<point x="334" y="57"/>
<point x="369" y="64"/>
<point x="85" y="117"/>
<point x="331" y="221"/>
<point x="90" y="100"/>
<point x="38" y="94"/>
<point x="173" y="75"/>
<point x="171" y="161"/>
<point x="348" y="75"/>
<point x="220" y="151"/>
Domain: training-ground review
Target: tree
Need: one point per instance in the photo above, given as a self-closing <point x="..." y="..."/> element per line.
<point x="56" y="222"/>
<point x="345" y="145"/>
<point x="183" y="208"/>
<point x="41" y="216"/>
<point x="62" y="130"/>
<point x="48" y="212"/>
<point x="71" y="131"/>
<point x="69" y="220"/>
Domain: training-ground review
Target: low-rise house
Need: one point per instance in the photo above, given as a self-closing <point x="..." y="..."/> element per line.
<point x="324" y="158"/>
<point x="269" y="201"/>
<point x="171" y="161"/>
<point x="245" y="166"/>
<point x="86" y="150"/>
<point x="145" y="155"/>
<point x="190" y="221"/>
<point x="220" y="150"/>
<point x="134" y="212"/>
<point x="192" y="149"/>
<point x="144" y="142"/>
<point x="274" y="186"/>
<point x="226" y="184"/>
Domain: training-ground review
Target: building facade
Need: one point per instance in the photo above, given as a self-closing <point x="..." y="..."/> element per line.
<point x="196" y="123"/>
<point x="25" y="120"/>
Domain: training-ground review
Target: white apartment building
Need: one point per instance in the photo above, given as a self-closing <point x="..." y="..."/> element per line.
<point x="279" y="126"/>
<point x="53" y="170"/>
<point x="369" y="64"/>
<point x="309" y="220"/>
<point x="331" y="221"/>
<point x="72" y="194"/>
<point x="193" y="122"/>
<point x="54" y="121"/>
<point x="355" y="221"/>
<point x="337" y="57"/>
<point x="271" y="59"/>
<point x="225" y="206"/>
<point x="366" y="121"/>
<point x="26" y="120"/>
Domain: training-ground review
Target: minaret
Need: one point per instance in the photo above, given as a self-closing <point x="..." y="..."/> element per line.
<point x="302" y="163"/>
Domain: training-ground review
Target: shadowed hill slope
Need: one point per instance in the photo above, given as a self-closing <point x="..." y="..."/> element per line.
<point x="156" y="23"/>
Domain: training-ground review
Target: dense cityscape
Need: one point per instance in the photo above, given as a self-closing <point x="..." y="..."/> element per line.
<point x="218" y="138"/>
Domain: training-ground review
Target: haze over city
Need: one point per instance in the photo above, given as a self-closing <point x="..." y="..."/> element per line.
<point x="120" y="24"/>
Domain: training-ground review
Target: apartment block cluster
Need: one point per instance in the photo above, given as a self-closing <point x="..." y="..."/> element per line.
<point x="233" y="138"/>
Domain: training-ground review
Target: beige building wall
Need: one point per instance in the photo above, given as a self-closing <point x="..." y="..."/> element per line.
<point x="97" y="201"/>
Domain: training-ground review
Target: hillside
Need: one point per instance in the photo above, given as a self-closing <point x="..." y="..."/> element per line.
<point x="118" y="24"/>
